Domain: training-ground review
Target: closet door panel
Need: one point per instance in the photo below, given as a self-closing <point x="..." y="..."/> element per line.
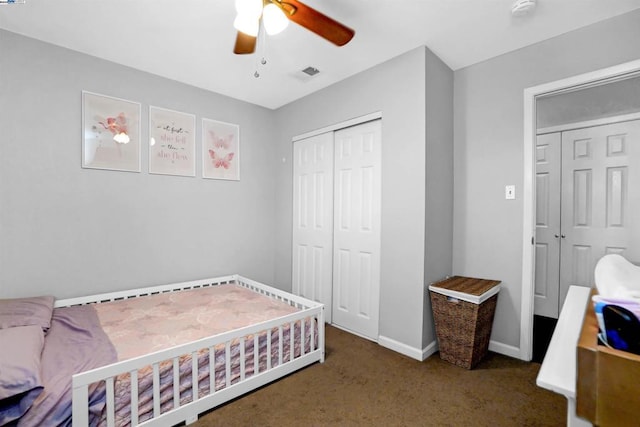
<point x="357" y="229"/>
<point x="600" y="199"/>
<point x="547" y="242"/>
<point x="313" y="219"/>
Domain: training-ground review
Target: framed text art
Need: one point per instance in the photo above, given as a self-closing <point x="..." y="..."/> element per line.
<point x="220" y="150"/>
<point x="172" y="141"/>
<point x="110" y="133"/>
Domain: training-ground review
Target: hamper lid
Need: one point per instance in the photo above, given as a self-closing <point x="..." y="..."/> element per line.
<point x="468" y="289"/>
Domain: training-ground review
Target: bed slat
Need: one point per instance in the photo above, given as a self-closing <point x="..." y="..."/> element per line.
<point x="280" y="345"/>
<point x="292" y="348"/>
<point x="194" y="375"/>
<point x="111" y="417"/>
<point x="302" y="337"/>
<point x="134" y="397"/>
<point x="227" y="363"/>
<point x="312" y="346"/>
<point x="268" y="337"/>
<point x="256" y="355"/>
<point x="80" y="405"/>
<point x="176" y="383"/>
<point x="242" y="361"/>
<point x="156" y="390"/>
<point x="212" y="370"/>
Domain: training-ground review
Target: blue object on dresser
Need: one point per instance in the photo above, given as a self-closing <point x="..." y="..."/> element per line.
<point x="622" y="328"/>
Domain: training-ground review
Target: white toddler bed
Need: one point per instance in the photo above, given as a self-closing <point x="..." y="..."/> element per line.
<point x="157" y="386"/>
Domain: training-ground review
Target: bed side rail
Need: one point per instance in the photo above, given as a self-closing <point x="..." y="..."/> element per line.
<point x="293" y="300"/>
<point x="152" y="290"/>
<point x="248" y="380"/>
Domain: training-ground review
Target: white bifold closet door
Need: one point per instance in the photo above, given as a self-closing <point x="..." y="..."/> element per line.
<point x="313" y="219"/>
<point x="600" y="199"/>
<point x="587" y="205"/>
<point x="337" y="202"/>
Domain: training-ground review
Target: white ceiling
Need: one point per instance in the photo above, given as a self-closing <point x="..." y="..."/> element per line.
<point x="192" y="40"/>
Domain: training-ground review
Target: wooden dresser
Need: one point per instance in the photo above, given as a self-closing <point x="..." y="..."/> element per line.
<point x="608" y="380"/>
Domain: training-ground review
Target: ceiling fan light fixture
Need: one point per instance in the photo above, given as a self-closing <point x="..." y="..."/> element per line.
<point x="249" y="8"/>
<point x="249" y="25"/>
<point x="274" y="19"/>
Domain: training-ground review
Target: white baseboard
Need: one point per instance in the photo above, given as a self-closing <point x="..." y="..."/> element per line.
<point x="507" y="350"/>
<point x="430" y="349"/>
<point x="412" y="352"/>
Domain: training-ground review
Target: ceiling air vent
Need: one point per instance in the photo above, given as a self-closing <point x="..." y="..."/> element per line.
<point x="311" y="71"/>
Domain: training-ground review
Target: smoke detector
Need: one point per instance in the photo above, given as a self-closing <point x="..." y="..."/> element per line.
<point x="522" y="7"/>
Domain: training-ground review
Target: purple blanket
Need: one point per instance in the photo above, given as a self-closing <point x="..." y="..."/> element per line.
<point x="75" y="343"/>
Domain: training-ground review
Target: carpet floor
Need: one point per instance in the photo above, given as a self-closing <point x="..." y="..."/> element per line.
<point x="363" y="384"/>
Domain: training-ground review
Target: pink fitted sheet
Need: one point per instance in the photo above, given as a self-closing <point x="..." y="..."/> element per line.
<point x="141" y="326"/>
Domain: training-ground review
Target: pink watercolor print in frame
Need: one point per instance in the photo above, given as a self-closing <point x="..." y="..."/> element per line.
<point x="220" y="150"/>
<point x="172" y="142"/>
<point x="110" y="133"/>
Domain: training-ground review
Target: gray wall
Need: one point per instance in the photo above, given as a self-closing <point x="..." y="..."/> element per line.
<point x="439" y="181"/>
<point x="71" y="231"/>
<point x="488" y="150"/>
<point x="397" y="89"/>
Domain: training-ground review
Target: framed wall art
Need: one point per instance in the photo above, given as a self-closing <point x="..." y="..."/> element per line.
<point x="172" y="140"/>
<point x="110" y="133"/>
<point x="220" y="150"/>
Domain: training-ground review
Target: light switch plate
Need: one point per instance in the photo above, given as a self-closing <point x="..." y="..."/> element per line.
<point x="510" y="192"/>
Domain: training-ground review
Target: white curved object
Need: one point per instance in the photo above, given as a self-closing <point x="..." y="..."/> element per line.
<point x="522" y="7"/>
<point x="617" y="278"/>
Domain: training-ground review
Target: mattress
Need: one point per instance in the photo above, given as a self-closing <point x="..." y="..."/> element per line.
<point x="140" y="326"/>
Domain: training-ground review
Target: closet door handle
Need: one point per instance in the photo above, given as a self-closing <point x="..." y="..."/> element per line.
<point x="563" y="236"/>
<point x="559" y="235"/>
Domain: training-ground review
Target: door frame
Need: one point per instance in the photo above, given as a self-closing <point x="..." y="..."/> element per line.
<point x="340" y="125"/>
<point x="528" y="199"/>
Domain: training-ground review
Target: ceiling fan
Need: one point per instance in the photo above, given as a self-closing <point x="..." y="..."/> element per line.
<point x="275" y="16"/>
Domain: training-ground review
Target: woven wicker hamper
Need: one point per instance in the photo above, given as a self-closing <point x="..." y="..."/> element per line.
<point x="463" y="310"/>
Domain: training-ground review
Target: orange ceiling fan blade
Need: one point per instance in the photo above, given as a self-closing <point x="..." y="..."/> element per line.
<point x="244" y="44"/>
<point x="311" y="19"/>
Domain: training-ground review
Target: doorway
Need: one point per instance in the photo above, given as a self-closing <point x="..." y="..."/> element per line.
<point x="529" y="194"/>
<point x="585" y="184"/>
<point x="586" y="181"/>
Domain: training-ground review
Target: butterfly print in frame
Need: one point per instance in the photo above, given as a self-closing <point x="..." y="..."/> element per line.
<point x="221" y="146"/>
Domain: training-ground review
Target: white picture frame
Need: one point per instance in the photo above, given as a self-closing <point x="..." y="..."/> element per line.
<point x="172" y="142"/>
<point x="220" y="150"/>
<point x="110" y="133"/>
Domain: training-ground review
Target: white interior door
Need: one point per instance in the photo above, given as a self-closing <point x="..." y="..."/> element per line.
<point x="600" y="199"/>
<point x="587" y="205"/>
<point x="547" y="242"/>
<point x="313" y="219"/>
<point x="356" y="266"/>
